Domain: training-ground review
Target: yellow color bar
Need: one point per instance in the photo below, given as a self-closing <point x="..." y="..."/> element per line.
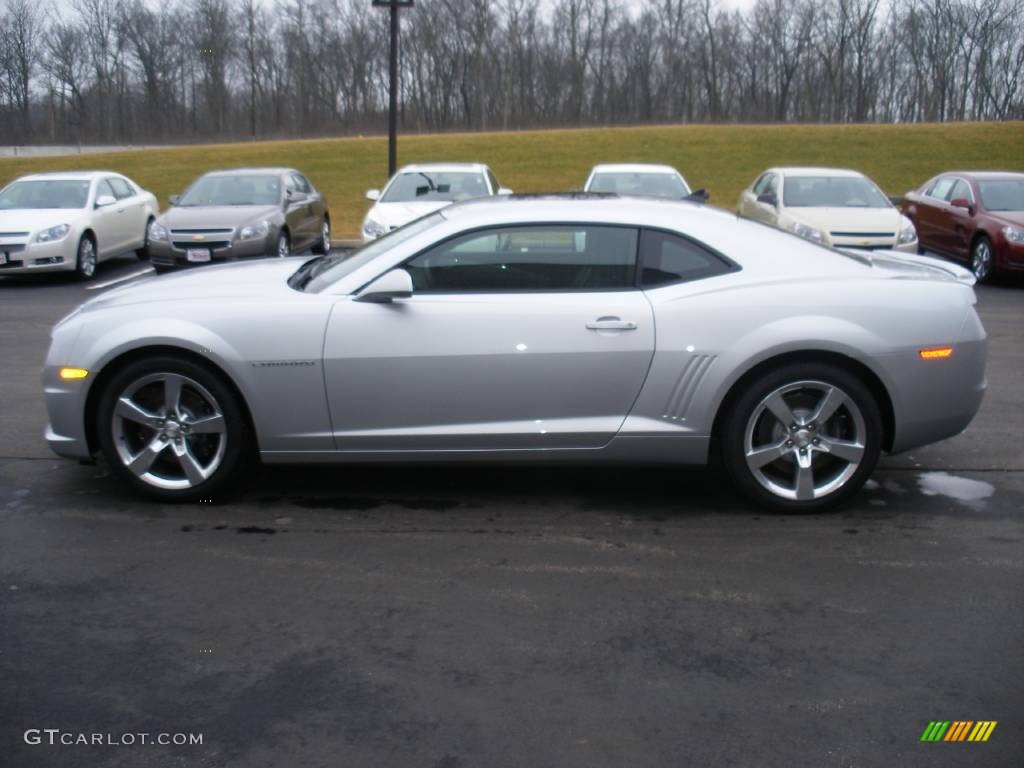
<point x="73" y="373"/>
<point x="935" y="353"/>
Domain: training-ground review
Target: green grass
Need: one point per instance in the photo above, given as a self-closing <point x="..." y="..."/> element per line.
<point x="724" y="159"/>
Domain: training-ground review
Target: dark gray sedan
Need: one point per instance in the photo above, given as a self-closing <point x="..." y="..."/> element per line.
<point x="240" y="213"/>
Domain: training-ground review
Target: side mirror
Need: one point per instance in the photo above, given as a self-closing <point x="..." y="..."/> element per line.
<point x="104" y="200"/>
<point x="373" y="194"/>
<point x="700" y="196"/>
<point x="768" y="198"/>
<point x="962" y="202"/>
<point x="174" y="199"/>
<point x="396" y="284"/>
<point x="504" y="191"/>
<point x="896" y="200"/>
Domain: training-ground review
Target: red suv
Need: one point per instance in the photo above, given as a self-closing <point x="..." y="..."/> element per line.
<point x="976" y="216"/>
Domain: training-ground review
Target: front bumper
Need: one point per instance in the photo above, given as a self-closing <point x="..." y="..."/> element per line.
<point x="1009" y="256"/>
<point x="170" y="253"/>
<point x="24" y="258"/>
<point x="860" y="245"/>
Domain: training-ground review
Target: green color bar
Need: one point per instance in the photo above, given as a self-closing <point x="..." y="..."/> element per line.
<point x="926" y="736"/>
<point x="940" y="731"/>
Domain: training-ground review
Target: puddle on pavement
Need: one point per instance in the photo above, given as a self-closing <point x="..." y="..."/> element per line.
<point x="971" y="493"/>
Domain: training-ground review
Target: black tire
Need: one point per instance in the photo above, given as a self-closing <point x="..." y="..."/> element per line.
<point x="323" y="245"/>
<point x="234" y="445"/>
<point x="743" y="415"/>
<point x="142" y="254"/>
<point x="86" y="258"/>
<point x="283" y="244"/>
<point x="982" y="257"/>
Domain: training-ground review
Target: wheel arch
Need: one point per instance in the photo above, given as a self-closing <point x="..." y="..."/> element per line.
<point x="118" y="363"/>
<point x="853" y="366"/>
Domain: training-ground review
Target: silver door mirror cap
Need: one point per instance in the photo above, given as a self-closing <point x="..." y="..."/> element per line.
<point x="396" y="284"/>
<point x="504" y="191"/>
<point x="104" y="200"/>
<point x="373" y="194"/>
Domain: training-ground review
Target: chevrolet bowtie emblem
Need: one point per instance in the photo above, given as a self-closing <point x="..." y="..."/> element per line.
<point x="865" y="242"/>
<point x="197" y="237"/>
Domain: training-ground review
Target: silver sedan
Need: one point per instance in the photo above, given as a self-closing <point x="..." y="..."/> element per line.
<point x="534" y="329"/>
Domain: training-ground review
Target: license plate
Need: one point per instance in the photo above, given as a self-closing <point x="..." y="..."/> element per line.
<point x="3" y="257"/>
<point x="197" y="254"/>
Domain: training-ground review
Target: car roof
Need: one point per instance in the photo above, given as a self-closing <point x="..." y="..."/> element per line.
<point x="986" y="175"/>
<point x="796" y="170"/>
<point x="442" y="167"/>
<point x="633" y="168"/>
<point x="68" y="175"/>
<point x="250" y="171"/>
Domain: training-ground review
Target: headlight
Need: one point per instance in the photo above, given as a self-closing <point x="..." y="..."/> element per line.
<point x="806" y="232"/>
<point x="255" y="230"/>
<point x="157" y="232"/>
<point x="53" y="233"/>
<point x="372" y="229"/>
<point x="907" y="235"/>
<point x="1014" y="234"/>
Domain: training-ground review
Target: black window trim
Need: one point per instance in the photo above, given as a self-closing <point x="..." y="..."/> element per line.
<point x="730" y="265"/>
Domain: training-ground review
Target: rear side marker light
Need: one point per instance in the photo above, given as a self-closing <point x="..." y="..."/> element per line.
<point x="935" y="353"/>
<point x="73" y="373"/>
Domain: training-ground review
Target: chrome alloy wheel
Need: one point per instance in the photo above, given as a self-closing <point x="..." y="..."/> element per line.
<point x="86" y="258"/>
<point x="805" y="440"/>
<point x="325" y="236"/>
<point x="283" y="248"/>
<point x="169" y="431"/>
<point x="981" y="259"/>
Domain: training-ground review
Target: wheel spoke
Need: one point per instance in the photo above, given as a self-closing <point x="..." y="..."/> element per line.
<point x="141" y="463"/>
<point x="766" y="454"/>
<point x="172" y="393"/>
<point x="833" y="400"/>
<point x="127" y="409"/>
<point x="207" y="425"/>
<point x="846" y="450"/>
<point x="804" y="479"/>
<point x="780" y="409"/>
<point x="193" y="471"/>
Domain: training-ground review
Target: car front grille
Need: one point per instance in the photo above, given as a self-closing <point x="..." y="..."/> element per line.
<point x="203" y="231"/>
<point x="13" y="235"/>
<point x="213" y="245"/>
<point x="863" y="234"/>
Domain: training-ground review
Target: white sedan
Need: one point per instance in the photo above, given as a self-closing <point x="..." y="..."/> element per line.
<point x="638" y="179"/>
<point x="71" y="221"/>
<point x="416" y="190"/>
<point x="829" y="206"/>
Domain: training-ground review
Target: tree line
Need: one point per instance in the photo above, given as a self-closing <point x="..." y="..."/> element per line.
<point x="127" y="71"/>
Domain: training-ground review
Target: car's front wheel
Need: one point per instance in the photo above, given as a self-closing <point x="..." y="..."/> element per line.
<point x="172" y="429"/>
<point x="802" y="438"/>
<point x="143" y="253"/>
<point x="284" y="245"/>
<point x="981" y="259"/>
<point x="85" y="259"/>
<point x="323" y="245"/>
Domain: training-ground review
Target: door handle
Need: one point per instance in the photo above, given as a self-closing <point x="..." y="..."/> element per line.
<point x="611" y="324"/>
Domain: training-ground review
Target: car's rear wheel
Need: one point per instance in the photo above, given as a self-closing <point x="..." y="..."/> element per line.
<point x="802" y="438"/>
<point x="981" y="259"/>
<point x="172" y="429"/>
<point x="324" y="244"/>
<point x="85" y="260"/>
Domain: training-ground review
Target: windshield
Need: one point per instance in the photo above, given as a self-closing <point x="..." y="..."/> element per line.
<point x="435" y="186"/>
<point x="315" y="275"/>
<point x="240" y="189"/>
<point x="1002" y="195"/>
<point x="48" y="193"/>
<point x="832" y="192"/>
<point x="644" y="184"/>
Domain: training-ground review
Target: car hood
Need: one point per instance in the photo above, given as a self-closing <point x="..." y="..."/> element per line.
<point x="32" y="220"/>
<point x="397" y="214"/>
<point x="1016" y="218"/>
<point x="262" y="279"/>
<point x="849" y="219"/>
<point x="216" y="215"/>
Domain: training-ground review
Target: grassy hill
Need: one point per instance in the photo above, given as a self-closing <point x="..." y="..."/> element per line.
<point x="722" y="158"/>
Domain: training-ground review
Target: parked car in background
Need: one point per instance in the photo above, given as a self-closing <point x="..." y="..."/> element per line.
<point x="973" y="216"/>
<point x="638" y="179"/>
<point x="541" y="329"/>
<point x="416" y="190"/>
<point x="246" y="212"/>
<point x="71" y="221"/>
<point x="830" y="206"/>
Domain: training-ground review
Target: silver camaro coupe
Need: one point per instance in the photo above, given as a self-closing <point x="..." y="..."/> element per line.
<point x="545" y="329"/>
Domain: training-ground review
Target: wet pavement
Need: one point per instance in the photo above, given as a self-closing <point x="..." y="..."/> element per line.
<point x="452" y="617"/>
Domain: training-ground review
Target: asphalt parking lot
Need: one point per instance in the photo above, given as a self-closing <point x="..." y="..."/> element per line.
<point x="455" y="617"/>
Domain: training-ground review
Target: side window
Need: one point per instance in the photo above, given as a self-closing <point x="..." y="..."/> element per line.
<point x="960" y="189"/>
<point x="495" y="186"/>
<point x="535" y="258"/>
<point x="120" y="187"/>
<point x="761" y="185"/>
<point x="301" y="183"/>
<point x="941" y="188"/>
<point x="667" y="258"/>
<point x="103" y="188"/>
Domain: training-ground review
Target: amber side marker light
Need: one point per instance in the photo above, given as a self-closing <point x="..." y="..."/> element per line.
<point x="73" y="373"/>
<point x="935" y="353"/>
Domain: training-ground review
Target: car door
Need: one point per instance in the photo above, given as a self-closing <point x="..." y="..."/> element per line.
<point x="748" y="198"/>
<point x="108" y="221"/>
<point x="960" y="220"/>
<point x="301" y="217"/>
<point x="932" y="214"/>
<point x="769" y="214"/>
<point x="524" y="337"/>
<point x="133" y="207"/>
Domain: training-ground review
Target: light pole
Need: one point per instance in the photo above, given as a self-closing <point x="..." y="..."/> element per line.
<point x="394" y="5"/>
